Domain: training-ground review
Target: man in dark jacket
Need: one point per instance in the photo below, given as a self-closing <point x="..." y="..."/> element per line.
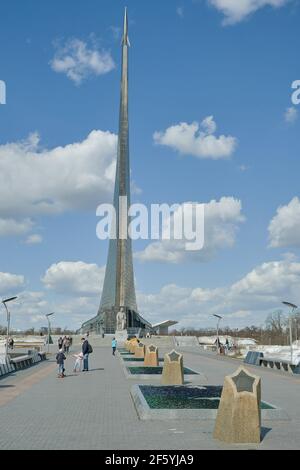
<point x="85" y="352"/>
<point x="60" y="360"/>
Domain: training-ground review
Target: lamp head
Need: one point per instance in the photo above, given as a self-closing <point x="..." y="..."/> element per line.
<point x="289" y="304"/>
<point x="9" y="300"/>
<point x="217" y="316"/>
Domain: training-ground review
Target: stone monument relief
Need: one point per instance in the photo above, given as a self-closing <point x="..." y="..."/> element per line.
<point x="173" y="369"/>
<point x="151" y="356"/>
<point x="239" y="414"/>
<point x="139" y="350"/>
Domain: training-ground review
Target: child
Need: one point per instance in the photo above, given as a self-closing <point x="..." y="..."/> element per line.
<point x="60" y="358"/>
<point x="78" y="362"/>
<point x="114" y="346"/>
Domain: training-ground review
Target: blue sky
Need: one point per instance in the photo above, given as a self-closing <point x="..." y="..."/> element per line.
<point x="188" y="61"/>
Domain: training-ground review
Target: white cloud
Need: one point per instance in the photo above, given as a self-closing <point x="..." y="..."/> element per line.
<point x="180" y="11"/>
<point x="243" y="168"/>
<point x="79" y="309"/>
<point x="289" y="256"/>
<point x="78" y="60"/>
<point x="116" y="32"/>
<point x="11" y="227"/>
<point x="266" y="286"/>
<point x="247" y="301"/>
<point x="284" y="228"/>
<point x="30" y="308"/>
<point x="77" y="278"/>
<point x="291" y="115"/>
<point x="237" y="10"/>
<point x="221" y="222"/>
<point x="197" y="140"/>
<point x="34" y="239"/>
<point x="36" y="181"/>
<point x="10" y="283"/>
<point x="30" y="305"/>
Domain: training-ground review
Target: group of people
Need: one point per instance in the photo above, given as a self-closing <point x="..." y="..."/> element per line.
<point x="81" y="358"/>
<point x="223" y="347"/>
<point x="65" y="343"/>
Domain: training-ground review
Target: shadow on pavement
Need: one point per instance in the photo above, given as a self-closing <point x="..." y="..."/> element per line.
<point x="11" y="374"/>
<point x="264" y="432"/>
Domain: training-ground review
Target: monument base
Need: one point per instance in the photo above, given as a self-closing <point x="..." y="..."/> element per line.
<point x="2" y="354"/>
<point x="121" y="337"/>
<point x="2" y="358"/>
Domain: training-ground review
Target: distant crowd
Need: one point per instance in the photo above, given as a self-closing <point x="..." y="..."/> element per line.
<point x="224" y="348"/>
<point x="65" y="343"/>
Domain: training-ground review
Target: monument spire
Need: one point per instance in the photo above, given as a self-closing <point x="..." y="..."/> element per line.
<point x="125" y="39"/>
<point x="118" y="288"/>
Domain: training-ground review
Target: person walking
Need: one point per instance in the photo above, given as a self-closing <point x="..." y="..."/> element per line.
<point x="67" y="344"/>
<point x="114" y="346"/>
<point x="60" y="360"/>
<point x="60" y="343"/>
<point x="85" y="352"/>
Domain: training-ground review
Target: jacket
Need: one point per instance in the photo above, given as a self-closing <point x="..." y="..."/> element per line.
<point x="60" y="358"/>
<point x="85" y="347"/>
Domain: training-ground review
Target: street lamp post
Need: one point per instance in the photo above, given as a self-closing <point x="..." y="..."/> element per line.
<point x="296" y="325"/>
<point x="48" y="319"/>
<point x="293" y="307"/>
<point x="8" y="321"/>
<point x="218" y="322"/>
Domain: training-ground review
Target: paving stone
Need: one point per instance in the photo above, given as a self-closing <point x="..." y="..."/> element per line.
<point x="94" y="410"/>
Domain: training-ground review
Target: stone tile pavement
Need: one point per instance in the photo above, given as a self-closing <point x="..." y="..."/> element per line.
<point x="94" y="410"/>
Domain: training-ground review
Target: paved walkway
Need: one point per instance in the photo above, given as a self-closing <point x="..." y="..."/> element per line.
<point x="94" y="410"/>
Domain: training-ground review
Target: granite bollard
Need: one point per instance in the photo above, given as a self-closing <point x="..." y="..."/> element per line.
<point x="239" y="415"/>
<point x="139" y="350"/>
<point x="173" y="369"/>
<point x="151" y="356"/>
<point x="132" y="345"/>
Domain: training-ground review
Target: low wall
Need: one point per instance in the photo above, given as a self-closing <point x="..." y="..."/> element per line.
<point x="20" y="362"/>
<point x="186" y="341"/>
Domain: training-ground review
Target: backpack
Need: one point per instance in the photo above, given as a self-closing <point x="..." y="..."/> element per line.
<point x="90" y="350"/>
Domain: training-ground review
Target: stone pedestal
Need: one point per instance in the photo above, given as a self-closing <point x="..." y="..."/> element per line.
<point x="139" y="350"/>
<point x="121" y="337"/>
<point x="151" y="356"/>
<point x="2" y="354"/>
<point x="2" y="359"/>
<point x="239" y="414"/>
<point x="132" y="345"/>
<point x="173" y="369"/>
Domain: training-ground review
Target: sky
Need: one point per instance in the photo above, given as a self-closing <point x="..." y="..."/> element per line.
<point x="213" y="119"/>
